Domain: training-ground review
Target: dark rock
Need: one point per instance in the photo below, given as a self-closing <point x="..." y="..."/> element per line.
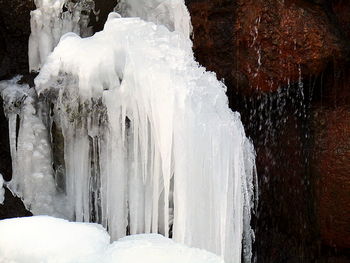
<point x="331" y="165"/>
<point x="265" y="44"/>
<point x="14" y="34"/>
<point x="5" y="154"/>
<point x="12" y="207"/>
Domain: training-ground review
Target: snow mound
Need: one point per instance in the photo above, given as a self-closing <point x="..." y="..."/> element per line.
<point x="47" y="239"/>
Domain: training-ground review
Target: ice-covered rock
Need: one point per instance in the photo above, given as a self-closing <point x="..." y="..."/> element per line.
<point x="171" y="13"/>
<point x="49" y="22"/>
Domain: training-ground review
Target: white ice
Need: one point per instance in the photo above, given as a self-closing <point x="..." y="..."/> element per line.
<point x="171" y="13"/>
<point x="166" y="144"/>
<point x="149" y="143"/>
<point x="32" y="177"/>
<point x="52" y="240"/>
<point x="2" y="190"/>
<point x="49" y="22"/>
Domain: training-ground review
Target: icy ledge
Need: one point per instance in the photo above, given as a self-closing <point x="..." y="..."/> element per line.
<point x="47" y="239"/>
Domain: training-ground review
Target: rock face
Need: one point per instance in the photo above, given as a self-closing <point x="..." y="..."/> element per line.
<point x="331" y="166"/>
<point x="267" y="51"/>
<point x="14" y="34"/>
<point x="341" y="8"/>
<point x="265" y="44"/>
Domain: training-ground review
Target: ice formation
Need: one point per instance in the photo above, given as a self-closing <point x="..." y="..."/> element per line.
<point x="147" y="131"/>
<point x="49" y="22"/>
<point x="125" y="129"/>
<point x="32" y="178"/>
<point x="2" y="190"/>
<point x="171" y="13"/>
<point x="47" y="239"/>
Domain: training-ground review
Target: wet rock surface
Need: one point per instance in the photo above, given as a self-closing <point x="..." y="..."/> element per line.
<point x="284" y="61"/>
<point x="331" y="165"/>
<point x="263" y="45"/>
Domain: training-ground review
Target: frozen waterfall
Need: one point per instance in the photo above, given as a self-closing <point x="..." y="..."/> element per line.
<point x="49" y="22"/>
<point x="125" y="129"/>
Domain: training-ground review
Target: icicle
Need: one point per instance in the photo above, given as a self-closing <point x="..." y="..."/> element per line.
<point x="166" y="121"/>
<point x="49" y="22"/>
<point x="142" y="138"/>
<point x="32" y="178"/>
<point x="2" y="190"/>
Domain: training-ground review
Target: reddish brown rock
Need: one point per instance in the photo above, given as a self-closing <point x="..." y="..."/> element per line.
<point x="331" y="166"/>
<point x="213" y="35"/>
<point x="264" y="44"/>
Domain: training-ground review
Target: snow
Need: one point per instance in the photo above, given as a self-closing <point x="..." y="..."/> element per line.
<point x="2" y="190"/>
<point x="52" y="240"/>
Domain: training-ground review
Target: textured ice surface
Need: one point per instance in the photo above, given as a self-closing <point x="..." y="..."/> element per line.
<point x="2" y="190"/>
<point x="52" y="240"/>
<point x="171" y="13"/>
<point x="128" y="131"/>
<point x="149" y="137"/>
<point x="32" y="178"/>
<point x="49" y="22"/>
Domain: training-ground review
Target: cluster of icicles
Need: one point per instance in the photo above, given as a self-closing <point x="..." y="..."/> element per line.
<point x="125" y="129"/>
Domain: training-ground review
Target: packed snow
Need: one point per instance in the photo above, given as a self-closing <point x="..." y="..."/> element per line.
<point x="2" y="190"/>
<point x="125" y="129"/>
<point x="52" y="240"/>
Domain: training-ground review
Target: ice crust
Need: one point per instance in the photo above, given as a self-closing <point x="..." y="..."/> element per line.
<point x="49" y="22"/>
<point x="171" y="13"/>
<point x="52" y="240"/>
<point x="2" y="190"/>
<point x="164" y="139"/>
<point x="125" y="129"/>
<point x="32" y="177"/>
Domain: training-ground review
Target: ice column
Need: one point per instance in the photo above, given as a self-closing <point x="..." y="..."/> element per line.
<point x="2" y="190"/>
<point x="32" y="178"/>
<point x="150" y="144"/>
<point x="49" y="22"/>
<point x="171" y="13"/>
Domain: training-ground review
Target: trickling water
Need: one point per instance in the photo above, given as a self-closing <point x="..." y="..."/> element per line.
<point x="141" y="137"/>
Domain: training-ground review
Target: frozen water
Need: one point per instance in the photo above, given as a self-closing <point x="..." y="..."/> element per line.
<point x="52" y="240"/>
<point x="125" y="129"/>
<point x="49" y="22"/>
<point x="32" y="178"/>
<point x="2" y="190"/>
<point x="171" y="13"/>
<point x="162" y="140"/>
